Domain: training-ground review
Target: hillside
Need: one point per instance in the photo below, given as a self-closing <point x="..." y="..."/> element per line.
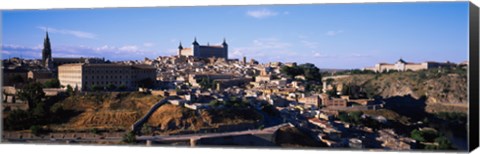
<point x="171" y="119"/>
<point x="108" y="111"/>
<point x="439" y="87"/>
<point x="291" y="137"/>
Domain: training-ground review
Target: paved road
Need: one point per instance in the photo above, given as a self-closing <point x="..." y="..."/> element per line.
<point x="269" y="130"/>
<point x="139" y="123"/>
<point x="185" y="137"/>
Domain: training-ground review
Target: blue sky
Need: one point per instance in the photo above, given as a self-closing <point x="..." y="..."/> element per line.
<point x="327" y="35"/>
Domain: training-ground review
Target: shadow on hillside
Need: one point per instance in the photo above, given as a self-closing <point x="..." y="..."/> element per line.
<point x="408" y="106"/>
<point x="64" y="116"/>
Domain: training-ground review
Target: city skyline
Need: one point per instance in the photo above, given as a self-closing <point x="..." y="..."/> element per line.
<point x="328" y="35"/>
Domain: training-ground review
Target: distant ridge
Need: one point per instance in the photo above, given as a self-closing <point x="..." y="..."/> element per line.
<point x="330" y="70"/>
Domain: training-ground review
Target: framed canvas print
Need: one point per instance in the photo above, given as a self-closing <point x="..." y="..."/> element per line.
<point x="380" y="76"/>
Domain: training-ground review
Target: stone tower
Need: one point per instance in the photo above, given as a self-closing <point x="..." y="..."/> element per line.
<point x="225" y="49"/>
<point x="195" y="47"/>
<point x="180" y="48"/>
<point x="46" y="52"/>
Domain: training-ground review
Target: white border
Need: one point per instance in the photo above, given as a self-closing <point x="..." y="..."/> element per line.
<point x="56" y="4"/>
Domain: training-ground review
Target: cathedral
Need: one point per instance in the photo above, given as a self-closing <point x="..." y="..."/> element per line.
<point x="51" y="63"/>
<point x="47" y="53"/>
<point x="204" y="51"/>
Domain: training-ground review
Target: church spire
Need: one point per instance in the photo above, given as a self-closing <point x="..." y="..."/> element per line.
<point x="47" y="51"/>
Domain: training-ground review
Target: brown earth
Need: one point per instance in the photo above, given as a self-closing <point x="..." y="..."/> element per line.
<point x="389" y="115"/>
<point x="106" y="111"/>
<point x="438" y="86"/>
<point x="170" y="118"/>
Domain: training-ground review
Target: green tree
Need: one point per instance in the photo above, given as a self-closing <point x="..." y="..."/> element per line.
<point x="53" y="83"/>
<point x="342" y="116"/>
<point x="36" y="130"/>
<point x="215" y="103"/>
<point x="424" y="135"/>
<point x="75" y="90"/>
<point x="18" y="120"/>
<point x="206" y="83"/>
<point x="291" y="71"/>
<point x="261" y="127"/>
<point x="146" y="130"/>
<point x="32" y="93"/>
<point x="95" y="131"/>
<point x="129" y="137"/>
<point x="97" y="88"/>
<point x="69" y="90"/>
<point x="122" y="87"/>
<point x="417" y="135"/>
<point x="443" y="143"/>
<point x="356" y="116"/>
<point x="39" y="111"/>
<point x="111" y="87"/>
<point x="311" y="72"/>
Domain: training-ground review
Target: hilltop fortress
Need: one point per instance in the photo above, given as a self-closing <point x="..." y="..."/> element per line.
<point x="204" y="51"/>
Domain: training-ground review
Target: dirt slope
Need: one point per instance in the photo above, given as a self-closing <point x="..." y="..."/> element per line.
<point x="110" y="111"/>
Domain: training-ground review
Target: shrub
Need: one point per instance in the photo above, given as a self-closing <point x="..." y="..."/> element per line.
<point x="95" y="131"/>
<point x="129" y="137"/>
<point x="122" y="87"/>
<point x="111" y="87"/>
<point x="53" y="83"/>
<point x="97" y="88"/>
<point x="36" y="130"/>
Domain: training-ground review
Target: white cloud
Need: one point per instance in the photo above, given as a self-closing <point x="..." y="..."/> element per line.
<point x="21" y="51"/>
<point x="357" y="55"/>
<point x="104" y="47"/>
<point x="129" y="48"/>
<point x="262" y="13"/>
<point x="148" y="44"/>
<point x="76" y="33"/>
<point x="5" y="52"/>
<point x="319" y="55"/>
<point x="334" y="33"/>
<point x="127" y="52"/>
<point x="237" y="53"/>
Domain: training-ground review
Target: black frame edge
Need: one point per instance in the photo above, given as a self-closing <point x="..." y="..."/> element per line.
<point x="473" y="121"/>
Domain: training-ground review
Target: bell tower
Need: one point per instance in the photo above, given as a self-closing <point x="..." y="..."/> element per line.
<point x="46" y="52"/>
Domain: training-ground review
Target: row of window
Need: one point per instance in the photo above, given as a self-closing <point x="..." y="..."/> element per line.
<point x="117" y="71"/>
<point x="108" y="77"/>
<point x="107" y="71"/>
<point x="111" y="82"/>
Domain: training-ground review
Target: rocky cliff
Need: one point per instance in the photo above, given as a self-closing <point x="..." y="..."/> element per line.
<point x="436" y="86"/>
